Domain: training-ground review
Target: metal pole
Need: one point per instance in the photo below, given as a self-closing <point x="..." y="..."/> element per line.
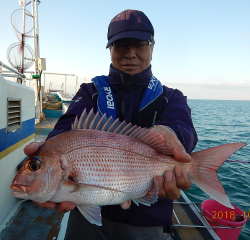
<point x="12" y="70"/>
<point x="44" y="81"/>
<point x="35" y="50"/>
<point x="37" y="30"/>
<point x="34" y="34"/>
<point x="38" y="104"/>
<point x="38" y="56"/>
<point x="23" y="36"/>
<point x="65" y="83"/>
<point x="76" y="84"/>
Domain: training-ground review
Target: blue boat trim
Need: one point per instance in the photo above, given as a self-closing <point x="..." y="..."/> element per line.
<point x="11" y="138"/>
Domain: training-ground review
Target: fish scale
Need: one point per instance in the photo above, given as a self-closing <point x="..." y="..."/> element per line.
<point x="91" y="167"/>
<point x="132" y="162"/>
<point x="121" y="172"/>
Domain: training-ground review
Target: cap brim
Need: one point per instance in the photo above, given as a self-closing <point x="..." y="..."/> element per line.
<point x="130" y="34"/>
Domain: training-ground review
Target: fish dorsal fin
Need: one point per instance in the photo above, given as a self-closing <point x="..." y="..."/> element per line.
<point x="147" y="136"/>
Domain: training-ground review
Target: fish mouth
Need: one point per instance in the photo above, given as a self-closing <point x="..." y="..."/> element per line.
<point x="18" y="189"/>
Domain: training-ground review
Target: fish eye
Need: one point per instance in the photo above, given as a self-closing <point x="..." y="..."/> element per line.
<point x="34" y="164"/>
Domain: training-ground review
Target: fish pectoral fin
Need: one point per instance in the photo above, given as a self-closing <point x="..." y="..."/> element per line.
<point x="92" y="213"/>
<point x="89" y="187"/>
<point x="150" y="197"/>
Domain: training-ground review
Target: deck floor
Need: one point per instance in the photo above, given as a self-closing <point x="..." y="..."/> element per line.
<point x="31" y="222"/>
<point x="187" y="216"/>
<point x="45" y="127"/>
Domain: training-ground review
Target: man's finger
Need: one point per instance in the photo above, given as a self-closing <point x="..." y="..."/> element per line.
<point x="173" y="192"/>
<point x="178" y="149"/>
<point x="181" y="155"/>
<point x="126" y="205"/>
<point x="61" y="207"/>
<point x="65" y="206"/>
<point x="176" y="146"/>
<point x="169" y="188"/>
<point x="161" y="191"/>
<point x="182" y="180"/>
<point x="32" y="147"/>
<point x="49" y="205"/>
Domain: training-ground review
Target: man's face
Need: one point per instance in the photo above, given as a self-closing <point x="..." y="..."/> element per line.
<point x="131" y="59"/>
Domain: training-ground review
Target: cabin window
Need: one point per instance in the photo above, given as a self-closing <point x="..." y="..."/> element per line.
<point x="14" y="114"/>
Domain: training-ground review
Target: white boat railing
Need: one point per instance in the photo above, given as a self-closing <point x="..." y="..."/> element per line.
<point x="63" y="86"/>
<point x="60" y="74"/>
<point x="12" y="70"/>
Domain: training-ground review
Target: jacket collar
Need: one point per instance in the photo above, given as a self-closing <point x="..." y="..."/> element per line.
<point x="120" y="79"/>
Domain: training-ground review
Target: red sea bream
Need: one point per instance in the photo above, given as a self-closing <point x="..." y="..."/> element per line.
<point x="105" y="162"/>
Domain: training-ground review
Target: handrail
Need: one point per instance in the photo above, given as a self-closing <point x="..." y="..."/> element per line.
<point x="59" y="74"/>
<point x="12" y="70"/>
<point x="63" y="74"/>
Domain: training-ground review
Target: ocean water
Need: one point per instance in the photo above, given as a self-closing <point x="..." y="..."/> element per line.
<point x="219" y="122"/>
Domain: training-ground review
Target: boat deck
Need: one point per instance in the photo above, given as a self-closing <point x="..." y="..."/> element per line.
<point x="45" y="127"/>
<point x="185" y="217"/>
<point x="28" y="221"/>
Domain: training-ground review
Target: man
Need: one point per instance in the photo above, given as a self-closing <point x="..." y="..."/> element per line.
<point x="133" y="94"/>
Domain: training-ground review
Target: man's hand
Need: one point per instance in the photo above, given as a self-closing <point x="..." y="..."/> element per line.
<point x="172" y="182"/>
<point x="60" y="207"/>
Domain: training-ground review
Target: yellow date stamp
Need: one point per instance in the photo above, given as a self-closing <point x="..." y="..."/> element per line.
<point x="230" y="215"/>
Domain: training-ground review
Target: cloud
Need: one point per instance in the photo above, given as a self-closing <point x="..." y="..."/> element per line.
<point x="243" y="36"/>
<point x="222" y="85"/>
<point x="214" y="90"/>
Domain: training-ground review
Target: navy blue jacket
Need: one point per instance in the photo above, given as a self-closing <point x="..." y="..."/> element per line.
<point x="128" y="91"/>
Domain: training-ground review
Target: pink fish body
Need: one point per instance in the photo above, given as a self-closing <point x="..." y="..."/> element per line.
<point x="105" y="162"/>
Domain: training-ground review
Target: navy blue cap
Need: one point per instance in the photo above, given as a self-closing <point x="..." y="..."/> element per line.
<point x="130" y="24"/>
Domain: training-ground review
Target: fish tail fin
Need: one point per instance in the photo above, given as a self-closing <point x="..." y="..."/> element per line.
<point x="208" y="161"/>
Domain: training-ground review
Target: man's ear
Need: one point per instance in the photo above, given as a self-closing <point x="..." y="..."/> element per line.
<point x="110" y="49"/>
<point x="152" y="48"/>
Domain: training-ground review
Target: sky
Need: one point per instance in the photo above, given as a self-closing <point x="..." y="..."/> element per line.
<point x="202" y="46"/>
